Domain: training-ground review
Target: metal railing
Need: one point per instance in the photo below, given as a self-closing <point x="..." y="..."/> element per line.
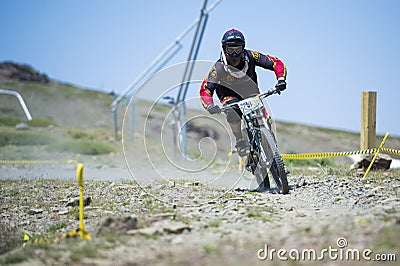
<point x="21" y="101"/>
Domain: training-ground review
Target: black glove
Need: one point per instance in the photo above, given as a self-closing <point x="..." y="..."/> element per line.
<point x="213" y="109"/>
<point x="281" y="86"/>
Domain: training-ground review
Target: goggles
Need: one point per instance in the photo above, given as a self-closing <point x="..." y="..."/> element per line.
<point x="230" y="50"/>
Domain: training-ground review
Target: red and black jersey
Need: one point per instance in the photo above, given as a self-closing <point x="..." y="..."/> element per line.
<point x="228" y="85"/>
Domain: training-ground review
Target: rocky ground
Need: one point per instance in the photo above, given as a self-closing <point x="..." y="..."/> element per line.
<point x="179" y="219"/>
<point x="141" y="224"/>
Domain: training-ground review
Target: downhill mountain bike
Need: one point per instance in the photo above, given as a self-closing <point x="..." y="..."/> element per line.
<point x="263" y="156"/>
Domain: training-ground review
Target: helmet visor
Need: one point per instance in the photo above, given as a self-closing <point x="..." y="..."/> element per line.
<point x="232" y="50"/>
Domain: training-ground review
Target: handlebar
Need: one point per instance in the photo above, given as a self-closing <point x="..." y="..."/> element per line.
<point x="261" y="95"/>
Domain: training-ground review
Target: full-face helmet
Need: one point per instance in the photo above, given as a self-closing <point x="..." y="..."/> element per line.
<point x="233" y="43"/>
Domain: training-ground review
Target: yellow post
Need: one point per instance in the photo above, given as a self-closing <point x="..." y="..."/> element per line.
<point x="83" y="234"/>
<point x="368" y="120"/>
<point x="376" y="154"/>
<point x="80" y="183"/>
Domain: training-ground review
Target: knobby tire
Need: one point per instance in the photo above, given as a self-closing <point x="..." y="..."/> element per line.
<point x="277" y="168"/>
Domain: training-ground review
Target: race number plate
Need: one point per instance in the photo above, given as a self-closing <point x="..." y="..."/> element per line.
<point x="250" y="105"/>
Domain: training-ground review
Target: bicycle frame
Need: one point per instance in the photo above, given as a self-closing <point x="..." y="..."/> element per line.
<point x="252" y="123"/>
<point x="253" y="117"/>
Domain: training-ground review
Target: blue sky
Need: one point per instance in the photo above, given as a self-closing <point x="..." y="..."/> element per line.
<point x="333" y="49"/>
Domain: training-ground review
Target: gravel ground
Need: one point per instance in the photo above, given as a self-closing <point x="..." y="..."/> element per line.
<point x="204" y="224"/>
<point x="191" y="219"/>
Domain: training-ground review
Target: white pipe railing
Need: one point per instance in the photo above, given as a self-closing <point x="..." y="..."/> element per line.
<point x="21" y="101"/>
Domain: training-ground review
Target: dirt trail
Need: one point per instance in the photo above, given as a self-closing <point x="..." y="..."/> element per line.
<point x="204" y="224"/>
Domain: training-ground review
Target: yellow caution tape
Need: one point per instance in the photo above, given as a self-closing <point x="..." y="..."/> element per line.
<point x="392" y="151"/>
<point x="36" y="161"/>
<point x="319" y="155"/>
<point x="40" y="161"/>
<point x="28" y="240"/>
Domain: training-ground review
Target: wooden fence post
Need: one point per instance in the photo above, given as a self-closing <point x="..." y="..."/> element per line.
<point x="368" y="120"/>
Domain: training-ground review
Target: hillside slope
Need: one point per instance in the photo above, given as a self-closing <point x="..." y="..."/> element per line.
<point x="73" y="107"/>
<point x="64" y="104"/>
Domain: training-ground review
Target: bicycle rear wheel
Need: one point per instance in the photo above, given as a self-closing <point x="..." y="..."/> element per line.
<point x="276" y="165"/>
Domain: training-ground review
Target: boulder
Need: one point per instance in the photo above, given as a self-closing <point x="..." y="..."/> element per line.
<point x="21" y="126"/>
<point x="382" y="162"/>
<point x="75" y="202"/>
<point x="118" y="225"/>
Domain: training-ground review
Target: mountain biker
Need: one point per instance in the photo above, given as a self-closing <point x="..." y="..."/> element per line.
<point x="233" y="78"/>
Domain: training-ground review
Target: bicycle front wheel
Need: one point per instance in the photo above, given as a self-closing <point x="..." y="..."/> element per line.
<point x="276" y="165"/>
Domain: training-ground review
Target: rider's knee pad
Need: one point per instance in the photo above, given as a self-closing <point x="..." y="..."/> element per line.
<point x="233" y="116"/>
